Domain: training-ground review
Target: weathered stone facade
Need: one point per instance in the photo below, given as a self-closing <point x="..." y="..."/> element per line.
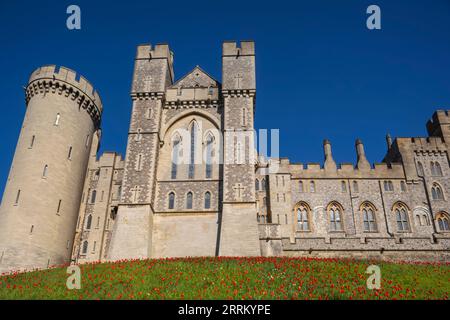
<point x="190" y="184"/>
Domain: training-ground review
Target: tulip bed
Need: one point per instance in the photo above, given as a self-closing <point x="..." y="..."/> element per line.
<point x="233" y="278"/>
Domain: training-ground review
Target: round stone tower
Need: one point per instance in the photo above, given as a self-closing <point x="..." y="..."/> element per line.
<point x="39" y="210"/>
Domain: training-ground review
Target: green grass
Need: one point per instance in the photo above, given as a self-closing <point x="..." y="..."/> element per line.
<point x="233" y="278"/>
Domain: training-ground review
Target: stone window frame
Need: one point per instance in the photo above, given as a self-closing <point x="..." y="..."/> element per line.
<point x="336" y="205"/>
<point x="312" y="186"/>
<point x="436" y="169"/>
<point x="437" y="192"/>
<point x="85" y="246"/>
<point x="388" y="186"/>
<point x="444" y="218"/>
<point x="369" y="205"/>
<point x="398" y="206"/>
<point x="169" y="201"/>
<point x="307" y="208"/>
<point x="187" y="200"/>
<point x="210" y="200"/>
<point x="209" y="142"/>
<point x="420" y="169"/>
<point x="343" y="186"/>
<point x="256" y="185"/>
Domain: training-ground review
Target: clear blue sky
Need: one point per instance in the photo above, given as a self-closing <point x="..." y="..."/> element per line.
<point x="320" y="72"/>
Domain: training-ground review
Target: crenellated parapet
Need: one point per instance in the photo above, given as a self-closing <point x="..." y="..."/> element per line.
<point x="64" y="81"/>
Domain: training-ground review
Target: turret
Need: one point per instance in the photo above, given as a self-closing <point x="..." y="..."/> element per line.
<point x="329" y="163"/>
<point x="389" y="142"/>
<point x="42" y="196"/>
<point x="439" y="125"/>
<point x="363" y="164"/>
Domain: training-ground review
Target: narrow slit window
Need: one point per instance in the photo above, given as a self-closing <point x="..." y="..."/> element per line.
<point x="58" y="210"/>
<point x="57" y="119"/>
<point x="45" y="171"/>
<point x="17" y="197"/>
<point x="33" y="138"/>
<point x="69" y="155"/>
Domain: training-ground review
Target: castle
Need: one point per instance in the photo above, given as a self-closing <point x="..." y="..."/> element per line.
<point x="191" y="184"/>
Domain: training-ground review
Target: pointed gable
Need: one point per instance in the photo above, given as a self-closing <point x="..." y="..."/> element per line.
<point x="196" y="78"/>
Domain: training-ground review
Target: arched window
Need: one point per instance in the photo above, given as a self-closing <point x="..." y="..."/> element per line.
<point x="343" y="186"/>
<point x="335" y="212"/>
<point x="401" y="216"/>
<point x="209" y="156"/>
<point x="207" y="200"/>
<point x="93" y="196"/>
<point x="189" y="197"/>
<point x="420" y="170"/>
<point x="263" y="184"/>
<point x="436" y="169"/>
<point x="312" y="186"/>
<point x="443" y="220"/>
<point x="175" y="156"/>
<point x="368" y="213"/>
<point x="355" y="186"/>
<point x="89" y="222"/>
<point x="192" y="150"/>
<point x="388" y="186"/>
<point x="171" y="200"/>
<point x="85" y="247"/>
<point x="257" y="185"/>
<point x="436" y="192"/>
<point x="303" y="213"/>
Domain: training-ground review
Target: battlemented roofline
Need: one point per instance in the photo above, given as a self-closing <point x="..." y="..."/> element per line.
<point x="52" y="77"/>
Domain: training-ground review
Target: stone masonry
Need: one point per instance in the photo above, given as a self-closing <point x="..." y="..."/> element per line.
<point x="192" y="184"/>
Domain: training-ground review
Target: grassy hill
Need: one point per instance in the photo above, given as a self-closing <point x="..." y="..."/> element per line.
<point x="233" y="278"/>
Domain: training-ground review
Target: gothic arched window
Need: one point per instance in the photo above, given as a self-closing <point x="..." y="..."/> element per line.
<point x="175" y="154"/>
<point x="303" y="213"/>
<point x="209" y="156"/>
<point x="335" y="212"/>
<point x="263" y="184"/>
<point x="189" y="197"/>
<point x="192" y="150"/>
<point x="368" y="213"/>
<point x="436" y="192"/>
<point x="257" y="185"/>
<point x="171" y="200"/>
<point x="436" y="169"/>
<point x="420" y="170"/>
<point x="207" y="200"/>
<point x="443" y="220"/>
<point x="401" y="216"/>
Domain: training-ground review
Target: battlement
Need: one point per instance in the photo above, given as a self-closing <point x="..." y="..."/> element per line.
<point x="231" y="48"/>
<point x="344" y="170"/>
<point x="439" y="118"/>
<point x="159" y="51"/>
<point x="422" y="144"/>
<point x="66" y="75"/>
